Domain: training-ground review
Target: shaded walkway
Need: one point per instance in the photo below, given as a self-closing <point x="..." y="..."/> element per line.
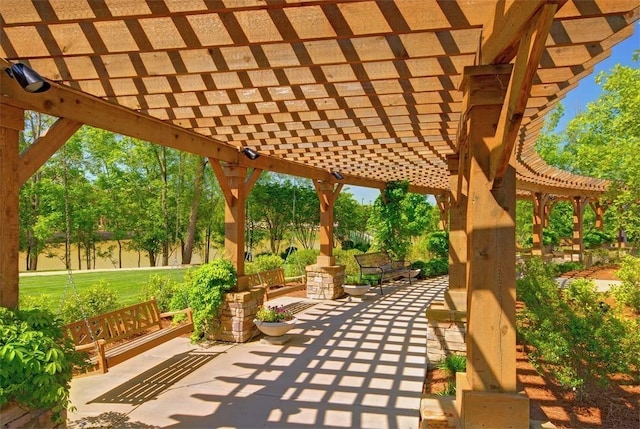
<point x="349" y="364"/>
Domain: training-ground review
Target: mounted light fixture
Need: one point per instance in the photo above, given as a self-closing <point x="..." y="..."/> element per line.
<point x="337" y="175"/>
<point x="250" y="153"/>
<point x="28" y="79"/>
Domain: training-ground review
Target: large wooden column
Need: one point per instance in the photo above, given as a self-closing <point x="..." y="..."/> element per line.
<point x="598" y="209"/>
<point x="579" y="204"/>
<point x="11" y="122"/>
<point x="443" y="202"/>
<point x="235" y="185"/>
<point x="539" y="213"/>
<point x="488" y="388"/>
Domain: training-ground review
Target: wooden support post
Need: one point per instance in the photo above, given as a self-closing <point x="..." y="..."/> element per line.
<point x="598" y="209"/>
<point x="327" y="194"/>
<point x="457" y="229"/>
<point x="579" y="204"/>
<point x="10" y="126"/>
<point x="443" y="205"/>
<point x="490" y="226"/>
<point x="235" y="185"/>
<point x="539" y="212"/>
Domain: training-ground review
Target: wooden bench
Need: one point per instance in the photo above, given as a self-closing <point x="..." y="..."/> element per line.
<point x="381" y="264"/>
<point x="274" y="283"/>
<point x="136" y="329"/>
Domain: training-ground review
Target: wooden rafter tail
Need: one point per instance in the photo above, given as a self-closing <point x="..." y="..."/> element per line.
<point x="526" y="63"/>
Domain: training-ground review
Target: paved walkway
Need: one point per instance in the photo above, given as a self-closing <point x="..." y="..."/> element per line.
<point x="349" y="364"/>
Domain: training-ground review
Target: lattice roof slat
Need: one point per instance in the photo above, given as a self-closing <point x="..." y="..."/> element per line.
<point x="370" y="88"/>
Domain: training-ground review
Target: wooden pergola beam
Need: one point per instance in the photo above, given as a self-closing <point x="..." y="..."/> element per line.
<point x="34" y="157"/>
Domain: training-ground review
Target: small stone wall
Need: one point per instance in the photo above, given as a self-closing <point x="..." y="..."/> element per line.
<point x="446" y="330"/>
<point x="13" y="416"/>
<point x="237" y="314"/>
<point x="325" y="282"/>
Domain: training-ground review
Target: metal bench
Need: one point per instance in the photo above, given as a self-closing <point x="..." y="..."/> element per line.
<point x="381" y="264"/>
<point x="136" y="329"/>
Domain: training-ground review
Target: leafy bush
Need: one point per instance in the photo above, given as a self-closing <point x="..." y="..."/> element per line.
<point x="362" y="246"/>
<point x="595" y="237"/>
<point x="345" y="257"/>
<point x="436" y="267"/>
<point x="288" y="252"/>
<point x="565" y="267"/>
<point x="264" y="262"/>
<point x="98" y="299"/>
<point x="422" y="266"/>
<point x="298" y="261"/>
<point x="36" y="360"/>
<point x="162" y="289"/>
<point x="438" y="244"/>
<point x="205" y="288"/>
<point x="628" y="292"/>
<point x="572" y="334"/>
<point x="347" y="244"/>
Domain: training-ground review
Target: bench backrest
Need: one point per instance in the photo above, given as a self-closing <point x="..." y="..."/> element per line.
<point x="267" y="278"/>
<point x="116" y="325"/>
<point x="375" y="259"/>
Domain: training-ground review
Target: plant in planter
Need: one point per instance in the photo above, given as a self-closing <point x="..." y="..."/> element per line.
<point x="36" y="361"/>
<point x="274" y="321"/>
<point x="356" y="286"/>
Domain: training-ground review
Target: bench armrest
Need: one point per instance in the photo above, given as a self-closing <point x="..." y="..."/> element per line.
<point x="186" y="311"/>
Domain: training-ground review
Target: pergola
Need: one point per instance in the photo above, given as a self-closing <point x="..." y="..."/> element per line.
<point x="448" y="95"/>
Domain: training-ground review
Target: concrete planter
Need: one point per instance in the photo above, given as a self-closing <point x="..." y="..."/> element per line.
<point x="356" y="291"/>
<point x="275" y="329"/>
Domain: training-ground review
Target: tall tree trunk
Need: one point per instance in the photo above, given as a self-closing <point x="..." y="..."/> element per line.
<point x="193" y="215"/>
<point x="207" y="247"/>
<point x="152" y="259"/>
<point x="119" y="253"/>
<point x="79" y="256"/>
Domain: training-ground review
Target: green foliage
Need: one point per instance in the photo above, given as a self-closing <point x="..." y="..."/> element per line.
<point x="451" y="365"/>
<point x="565" y="267"/>
<point x="438" y="244"/>
<point x="595" y="237"/>
<point x="162" y="288"/>
<point x="436" y="267"/>
<point x="273" y="314"/>
<point x="345" y="257"/>
<point x="298" y="261"/>
<point x="205" y="288"/>
<point x="36" y="360"/>
<point x="628" y="292"/>
<point x="97" y="299"/>
<point x="264" y="262"/>
<point x="572" y="334"/>
<point x="387" y="221"/>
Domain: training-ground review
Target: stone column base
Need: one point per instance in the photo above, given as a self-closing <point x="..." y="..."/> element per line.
<point x="325" y="282"/>
<point x="237" y="314"/>
<point x="14" y="416"/>
<point x="446" y="332"/>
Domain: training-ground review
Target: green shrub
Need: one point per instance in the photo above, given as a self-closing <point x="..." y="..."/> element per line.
<point x="436" y="267"/>
<point x="565" y="267"/>
<point x="572" y="334"/>
<point x="264" y="262"/>
<point x="438" y="244"/>
<point x="298" y="261"/>
<point x="422" y="266"/>
<point x="36" y="361"/>
<point x="595" y="237"/>
<point x="162" y="289"/>
<point x="205" y="288"/>
<point x="42" y="302"/>
<point x="628" y="292"/>
<point x="345" y="257"/>
<point x="98" y="299"/>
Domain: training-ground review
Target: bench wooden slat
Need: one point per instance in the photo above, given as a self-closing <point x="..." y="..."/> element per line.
<point x="142" y="319"/>
<point x="271" y="278"/>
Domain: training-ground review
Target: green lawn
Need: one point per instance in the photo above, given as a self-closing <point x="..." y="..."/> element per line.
<point x="128" y="284"/>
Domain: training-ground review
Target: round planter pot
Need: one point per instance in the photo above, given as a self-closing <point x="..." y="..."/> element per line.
<point x="356" y="290"/>
<point x="275" y="329"/>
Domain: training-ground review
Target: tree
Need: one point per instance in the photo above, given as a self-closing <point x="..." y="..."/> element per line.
<point x="388" y="221"/>
<point x="603" y="141"/>
<point x="305" y="216"/>
<point x="351" y="218"/>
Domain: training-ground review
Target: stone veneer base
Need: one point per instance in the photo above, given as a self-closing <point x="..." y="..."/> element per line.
<point x="237" y="314"/>
<point x="446" y="331"/>
<point x="325" y="282"/>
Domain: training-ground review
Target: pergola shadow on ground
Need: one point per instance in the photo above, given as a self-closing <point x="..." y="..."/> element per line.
<point x="349" y="364"/>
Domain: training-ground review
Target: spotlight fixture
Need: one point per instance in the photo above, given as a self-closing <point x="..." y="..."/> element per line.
<point x="250" y="153"/>
<point x="28" y="79"/>
<point x="337" y="175"/>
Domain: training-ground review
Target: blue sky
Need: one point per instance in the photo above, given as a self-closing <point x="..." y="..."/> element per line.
<point x="574" y="102"/>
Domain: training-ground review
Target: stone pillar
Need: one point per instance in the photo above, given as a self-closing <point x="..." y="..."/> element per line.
<point x="325" y="282"/>
<point x="12" y="123"/>
<point x="237" y="314"/>
<point x="446" y="332"/>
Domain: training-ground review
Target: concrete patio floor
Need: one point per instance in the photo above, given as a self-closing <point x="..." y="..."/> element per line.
<point x="349" y="364"/>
